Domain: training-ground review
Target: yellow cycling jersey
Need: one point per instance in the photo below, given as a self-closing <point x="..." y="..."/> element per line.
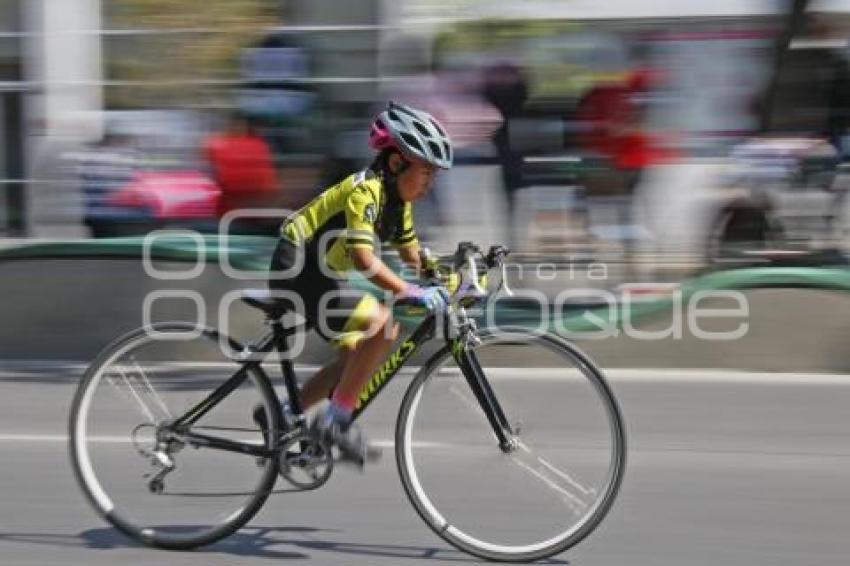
<point x="352" y="214"/>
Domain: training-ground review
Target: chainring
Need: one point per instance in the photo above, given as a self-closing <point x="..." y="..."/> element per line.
<point x="305" y="462"/>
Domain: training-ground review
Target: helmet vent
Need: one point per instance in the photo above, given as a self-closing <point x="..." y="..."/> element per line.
<point x="435" y="149"/>
<point x="411" y="141"/>
<point x="448" y="150"/>
<point x="438" y="128"/>
<point x="393" y="116"/>
<point x="422" y="129"/>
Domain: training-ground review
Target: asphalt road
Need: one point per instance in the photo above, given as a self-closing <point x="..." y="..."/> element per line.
<point x="724" y="468"/>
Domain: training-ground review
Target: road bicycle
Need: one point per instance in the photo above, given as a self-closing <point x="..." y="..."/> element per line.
<point x="509" y="442"/>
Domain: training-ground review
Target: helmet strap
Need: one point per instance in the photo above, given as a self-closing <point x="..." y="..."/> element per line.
<point x="381" y="167"/>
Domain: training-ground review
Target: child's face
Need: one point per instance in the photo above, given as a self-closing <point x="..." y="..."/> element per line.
<point x="414" y="182"/>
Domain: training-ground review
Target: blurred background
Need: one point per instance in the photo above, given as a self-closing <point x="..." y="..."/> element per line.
<point x="657" y="143"/>
<point x="661" y="139"/>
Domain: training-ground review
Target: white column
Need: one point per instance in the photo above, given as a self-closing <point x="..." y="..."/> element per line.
<point x="62" y="64"/>
<point x="69" y="65"/>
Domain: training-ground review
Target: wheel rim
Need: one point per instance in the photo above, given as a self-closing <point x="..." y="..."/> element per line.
<point x="196" y="506"/>
<point x="457" y="527"/>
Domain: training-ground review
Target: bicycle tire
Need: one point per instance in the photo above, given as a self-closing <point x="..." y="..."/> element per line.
<point x="433" y="517"/>
<point x="92" y="484"/>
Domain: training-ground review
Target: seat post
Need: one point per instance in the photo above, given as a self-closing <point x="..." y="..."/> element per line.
<point x="281" y="341"/>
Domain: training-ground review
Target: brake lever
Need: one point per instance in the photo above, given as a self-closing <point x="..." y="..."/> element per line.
<point x="496" y="257"/>
<point x="464" y="250"/>
<point x="503" y="283"/>
<point x="473" y="274"/>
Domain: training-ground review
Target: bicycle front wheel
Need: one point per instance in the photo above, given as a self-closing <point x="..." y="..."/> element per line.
<point x="555" y="484"/>
<point x="165" y="490"/>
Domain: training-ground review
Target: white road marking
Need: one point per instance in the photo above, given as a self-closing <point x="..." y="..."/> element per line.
<point x="58" y="438"/>
<point x="701" y="376"/>
<point x="24" y="437"/>
<point x="672" y="376"/>
<point x="624" y="376"/>
<point x="637" y="375"/>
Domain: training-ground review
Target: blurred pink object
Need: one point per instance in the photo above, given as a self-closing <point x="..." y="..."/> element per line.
<point x="379" y="136"/>
<point x="170" y="194"/>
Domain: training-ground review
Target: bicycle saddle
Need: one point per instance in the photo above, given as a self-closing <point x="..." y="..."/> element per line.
<point x="273" y="307"/>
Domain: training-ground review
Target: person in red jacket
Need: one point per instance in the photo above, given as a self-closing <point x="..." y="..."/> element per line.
<point x="614" y="124"/>
<point x="615" y="127"/>
<point x="243" y="168"/>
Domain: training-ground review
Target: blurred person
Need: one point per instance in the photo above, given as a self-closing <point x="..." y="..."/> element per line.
<point x="242" y="166"/>
<point x="56" y="202"/>
<point x="613" y="124"/>
<point x="805" y="115"/>
<point x="376" y="202"/>
<point x="505" y="86"/>
<point x="106" y="167"/>
<point x="452" y="93"/>
<point x="810" y="93"/>
<point x="471" y="122"/>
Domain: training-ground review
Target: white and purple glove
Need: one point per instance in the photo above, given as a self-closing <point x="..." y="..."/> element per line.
<point x="431" y="298"/>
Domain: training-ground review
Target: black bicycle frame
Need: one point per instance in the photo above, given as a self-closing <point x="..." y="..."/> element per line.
<point x="467" y="361"/>
<point x="278" y="340"/>
<point x="395" y="361"/>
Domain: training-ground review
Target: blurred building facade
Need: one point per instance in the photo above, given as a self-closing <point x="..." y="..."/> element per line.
<point x="12" y="88"/>
<point x="315" y="70"/>
<point x="50" y="88"/>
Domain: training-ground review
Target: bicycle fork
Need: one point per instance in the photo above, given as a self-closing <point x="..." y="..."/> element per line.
<point x="467" y="361"/>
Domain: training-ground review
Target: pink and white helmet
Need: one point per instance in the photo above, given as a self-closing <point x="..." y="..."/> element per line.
<point x="414" y="133"/>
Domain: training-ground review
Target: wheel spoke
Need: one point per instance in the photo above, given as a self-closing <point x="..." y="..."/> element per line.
<point x="151" y="389"/>
<point x="558" y="480"/>
<point x="572" y="501"/>
<point x="589" y="491"/>
<point x="134" y="398"/>
<point x="559" y="469"/>
<point x="226" y="482"/>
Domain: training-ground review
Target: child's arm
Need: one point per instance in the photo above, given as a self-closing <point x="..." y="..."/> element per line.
<point x="376" y="270"/>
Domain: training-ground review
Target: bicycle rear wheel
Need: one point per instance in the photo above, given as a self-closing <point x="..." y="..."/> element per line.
<point x="170" y="494"/>
<point x="557" y="483"/>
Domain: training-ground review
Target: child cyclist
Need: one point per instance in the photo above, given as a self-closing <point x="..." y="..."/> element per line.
<point x="334" y="235"/>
